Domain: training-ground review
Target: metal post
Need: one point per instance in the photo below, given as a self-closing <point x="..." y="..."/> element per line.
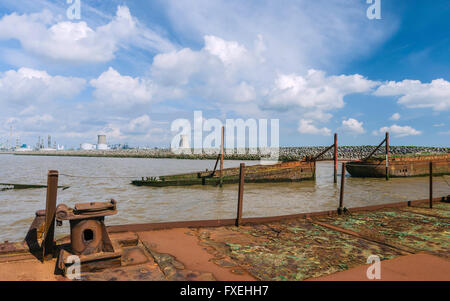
<point x="241" y="194"/>
<point x="387" y="155"/>
<point x="335" y="158"/>
<point x="222" y="148"/>
<point x="50" y="211"/>
<point x="341" y="195"/>
<point x="431" y="185"/>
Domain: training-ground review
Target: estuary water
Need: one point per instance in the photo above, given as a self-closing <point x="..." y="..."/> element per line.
<point x="100" y="179"/>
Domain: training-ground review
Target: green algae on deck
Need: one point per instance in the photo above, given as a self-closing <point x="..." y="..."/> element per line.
<point x="406" y="227"/>
<point x="291" y="250"/>
<point x="443" y="210"/>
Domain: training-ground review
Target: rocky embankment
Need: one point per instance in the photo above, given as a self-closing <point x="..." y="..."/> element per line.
<point x="286" y="153"/>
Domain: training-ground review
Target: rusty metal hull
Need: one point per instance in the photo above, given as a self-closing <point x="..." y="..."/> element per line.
<point x="282" y="172"/>
<point x="400" y="167"/>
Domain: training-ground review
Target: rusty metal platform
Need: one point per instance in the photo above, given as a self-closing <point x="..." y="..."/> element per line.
<point x="292" y="249"/>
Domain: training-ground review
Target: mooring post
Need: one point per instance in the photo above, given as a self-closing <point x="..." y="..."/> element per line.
<point x="335" y="157"/>
<point x="431" y="185"/>
<point x="387" y="155"/>
<point x="341" y="195"/>
<point x="222" y="148"/>
<point x="50" y="212"/>
<point x="241" y="194"/>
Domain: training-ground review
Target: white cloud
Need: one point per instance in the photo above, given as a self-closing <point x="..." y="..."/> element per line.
<point x="316" y="90"/>
<point x="395" y="116"/>
<point x="318" y="115"/>
<point x="307" y="127"/>
<point x="220" y="71"/>
<point x="244" y="92"/>
<point x="42" y="34"/>
<point x="139" y="125"/>
<point x="112" y="88"/>
<point x="398" y="131"/>
<point x="27" y="85"/>
<point x="415" y="94"/>
<point x="227" y="51"/>
<point x="353" y="126"/>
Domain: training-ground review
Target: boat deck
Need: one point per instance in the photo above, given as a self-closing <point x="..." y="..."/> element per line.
<point x="327" y="247"/>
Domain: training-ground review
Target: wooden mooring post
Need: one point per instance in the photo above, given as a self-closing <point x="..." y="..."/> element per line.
<point x="50" y="214"/>
<point x="240" y="194"/>
<point x="335" y="157"/>
<point x="222" y="149"/>
<point x="387" y="156"/>
<point x="341" y="193"/>
<point x="431" y="185"/>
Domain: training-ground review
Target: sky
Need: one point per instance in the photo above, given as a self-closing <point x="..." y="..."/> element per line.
<point x="129" y="68"/>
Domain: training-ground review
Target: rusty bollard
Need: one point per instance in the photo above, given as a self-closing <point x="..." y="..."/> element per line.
<point x="50" y="213"/>
<point x="335" y="157"/>
<point x="341" y="194"/>
<point x="431" y="185"/>
<point x="241" y="194"/>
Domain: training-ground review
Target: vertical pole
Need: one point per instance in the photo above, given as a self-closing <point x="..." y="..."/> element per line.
<point x="335" y="158"/>
<point x="241" y="194"/>
<point x="50" y="211"/>
<point x="341" y="195"/>
<point x="387" y="155"/>
<point x="222" y="148"/>
<point x="431" y="185"/>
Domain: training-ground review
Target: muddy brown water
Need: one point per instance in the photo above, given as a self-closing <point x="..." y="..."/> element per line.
<point x="153" y="204"/>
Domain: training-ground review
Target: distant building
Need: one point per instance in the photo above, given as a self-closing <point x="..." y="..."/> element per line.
<point x="87" y="146"/>
<point x="23" y="148"/>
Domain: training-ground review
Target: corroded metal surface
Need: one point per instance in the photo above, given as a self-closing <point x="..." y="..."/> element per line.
<point x="400" y="166"/>
<point x="291" y="250"/>
<point x="413" y="230"/>
<point x="281" y="172"/>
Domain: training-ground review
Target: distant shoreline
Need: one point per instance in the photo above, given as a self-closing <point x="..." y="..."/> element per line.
<point x="286" y="153"/>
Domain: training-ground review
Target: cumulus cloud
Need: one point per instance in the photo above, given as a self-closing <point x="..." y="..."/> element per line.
<point x="112" y="88"/>
<point x="316" y="90"/>
<point x="219" y="71"/>
<point x="307" y="127"/>
<point x="27" y="85"/>
<point x="397" y="131"/>
<point x="415" y="94"/>
<point x="395" y="116"/>
<point x="227" y="51"/>
<point x="43" y="34"/>
<point x="140" y="124"/>
<point x="353" y="126"/>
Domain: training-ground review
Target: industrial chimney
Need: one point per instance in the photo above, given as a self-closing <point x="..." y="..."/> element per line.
<point x="101" y="144"/>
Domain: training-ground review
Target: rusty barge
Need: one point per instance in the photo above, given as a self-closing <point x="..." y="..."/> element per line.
<point x="281" y="172"/>
<point x="420" y="164"/>
<point x="402" y="166"/>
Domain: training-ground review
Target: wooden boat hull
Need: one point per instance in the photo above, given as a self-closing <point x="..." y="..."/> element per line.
<point x="400" y="167"/>
<point x="282" y="172"/>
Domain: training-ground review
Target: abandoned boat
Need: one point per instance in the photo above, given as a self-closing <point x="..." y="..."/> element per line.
<point x="400" y="166"/>
<point x="281" y="172"/>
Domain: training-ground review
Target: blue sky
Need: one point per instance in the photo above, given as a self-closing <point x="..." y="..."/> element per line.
<point x="129" y="68"/>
